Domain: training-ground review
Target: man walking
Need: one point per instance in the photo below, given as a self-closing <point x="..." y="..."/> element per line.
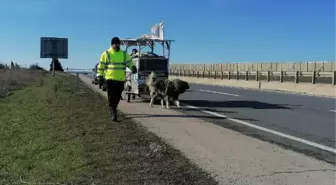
<point x="113" y="63"/>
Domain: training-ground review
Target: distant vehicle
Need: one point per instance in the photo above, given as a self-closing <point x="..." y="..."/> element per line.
<point x="98" y="80"/>
<point x="94" y="76"/>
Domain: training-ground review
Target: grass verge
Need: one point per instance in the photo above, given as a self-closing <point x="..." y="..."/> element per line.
<point x="11" y="80"/>
<point x="54" y="133"/>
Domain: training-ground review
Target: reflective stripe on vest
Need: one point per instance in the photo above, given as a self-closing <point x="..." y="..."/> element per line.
<point x="116" y="68"/>
<point x="116" y="65"/>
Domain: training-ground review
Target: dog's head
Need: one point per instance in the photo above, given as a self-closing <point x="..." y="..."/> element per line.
<point x="184" y="86"/>
<point x="153" y="75"/>
<point x="181" y="85"/>
<point x="151" y="78"/>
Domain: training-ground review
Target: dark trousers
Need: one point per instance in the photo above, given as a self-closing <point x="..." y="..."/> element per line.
<point x="114" y="91"/>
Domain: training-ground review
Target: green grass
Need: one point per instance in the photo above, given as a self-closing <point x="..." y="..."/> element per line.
<point x="50" y="132"/>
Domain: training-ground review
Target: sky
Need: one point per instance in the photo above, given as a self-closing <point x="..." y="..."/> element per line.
<point x="209" y="31"/>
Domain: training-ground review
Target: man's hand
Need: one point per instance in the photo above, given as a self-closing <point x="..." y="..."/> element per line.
<point x="134" y="70"/>
<point x="100" y="79"/>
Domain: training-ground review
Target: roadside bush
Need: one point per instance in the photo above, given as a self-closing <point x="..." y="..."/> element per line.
<point x="35" y="67"/>
<point x="3" y="66"/>
<point x="11" y="80"/>
<point x="58" y="65"/>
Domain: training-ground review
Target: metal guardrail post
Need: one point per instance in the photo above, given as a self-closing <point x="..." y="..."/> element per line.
<point x="314" y="77"/>
<point x="281" y="76"/>
<point x="237" y="77"/>
<point x="333" y="78"/>
<point x="246" y="75"/>
<point x="268" y="76"/>
<point x="229" y="75"/>
<point x="297" y="77"/>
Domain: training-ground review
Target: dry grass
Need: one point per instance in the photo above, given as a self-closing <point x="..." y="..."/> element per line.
<point x="11" y="80"/>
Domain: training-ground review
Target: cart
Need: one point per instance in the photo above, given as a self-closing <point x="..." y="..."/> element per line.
<point x="146" y="62"/>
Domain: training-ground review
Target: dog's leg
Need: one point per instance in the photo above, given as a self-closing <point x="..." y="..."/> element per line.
<point x="177" y="102"/>
<point x="162" y="103"/>
<point x="151" y="102"/>
<point x="153" y="95"/>
<point x="167" y="102"/>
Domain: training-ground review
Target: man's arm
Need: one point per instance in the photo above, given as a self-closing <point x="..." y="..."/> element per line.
<point x="102" y="64"/>
<point x="129" y="63"/>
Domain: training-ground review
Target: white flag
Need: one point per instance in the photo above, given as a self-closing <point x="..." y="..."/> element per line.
<point x="161" y="28"/>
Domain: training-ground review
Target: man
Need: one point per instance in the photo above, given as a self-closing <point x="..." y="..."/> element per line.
<point x="134" y="53"/>
<point x="114" y="62"/>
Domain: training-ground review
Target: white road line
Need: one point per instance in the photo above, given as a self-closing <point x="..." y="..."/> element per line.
<point x="216" y="92"/>
<point x="269" y="90"/>
<point x="322" y="147"/>
<point x="332" y="110"/>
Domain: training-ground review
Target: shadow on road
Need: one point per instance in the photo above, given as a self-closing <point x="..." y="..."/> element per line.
<point x="182" y="116"/>
<point x="169" y="116"/>
<point x="211" y="110"/>
<point x="234" y="104"/>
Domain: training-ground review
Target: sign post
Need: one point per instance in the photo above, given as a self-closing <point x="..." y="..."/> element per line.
<point x="55" y="48"/>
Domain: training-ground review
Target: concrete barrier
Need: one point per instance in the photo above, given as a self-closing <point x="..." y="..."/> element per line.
<point x="319" y="66"/>
<point x="280" y="76"/>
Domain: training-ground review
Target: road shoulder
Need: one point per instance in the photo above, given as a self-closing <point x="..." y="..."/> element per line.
<point x="233" y="157"/>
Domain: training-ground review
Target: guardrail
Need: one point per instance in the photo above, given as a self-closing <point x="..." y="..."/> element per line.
<point x="281" y="76"/>
<point x="81" y="71"/>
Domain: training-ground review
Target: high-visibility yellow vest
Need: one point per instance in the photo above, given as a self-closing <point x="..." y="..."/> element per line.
<point x="112" y="64"/>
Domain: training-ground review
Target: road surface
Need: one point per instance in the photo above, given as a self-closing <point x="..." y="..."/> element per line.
<point x="302" y="123"/>
<point x="231" y="157"/>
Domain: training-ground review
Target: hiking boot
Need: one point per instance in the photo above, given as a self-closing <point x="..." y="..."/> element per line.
<point x="113" y="113"/>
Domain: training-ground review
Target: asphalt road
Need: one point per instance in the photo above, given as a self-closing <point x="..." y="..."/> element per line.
<point x="296" y="116"/>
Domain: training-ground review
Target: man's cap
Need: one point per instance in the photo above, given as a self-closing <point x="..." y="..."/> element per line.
<point x="115" y="40"/>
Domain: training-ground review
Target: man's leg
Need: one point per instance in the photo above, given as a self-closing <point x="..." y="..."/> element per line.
<point x="111" y="91"/>
<point x="114" y="91"/>
<point x="119" y="90"/>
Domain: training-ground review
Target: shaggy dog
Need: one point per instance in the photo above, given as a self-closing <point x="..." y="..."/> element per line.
<point x="157" y="88"/>
<point x="166" y="90"/>
<point x="174" y="89"/>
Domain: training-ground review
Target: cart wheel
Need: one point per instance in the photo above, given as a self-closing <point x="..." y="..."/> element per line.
<point x="129" y="94"/>
<point x="128" y="97"/>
